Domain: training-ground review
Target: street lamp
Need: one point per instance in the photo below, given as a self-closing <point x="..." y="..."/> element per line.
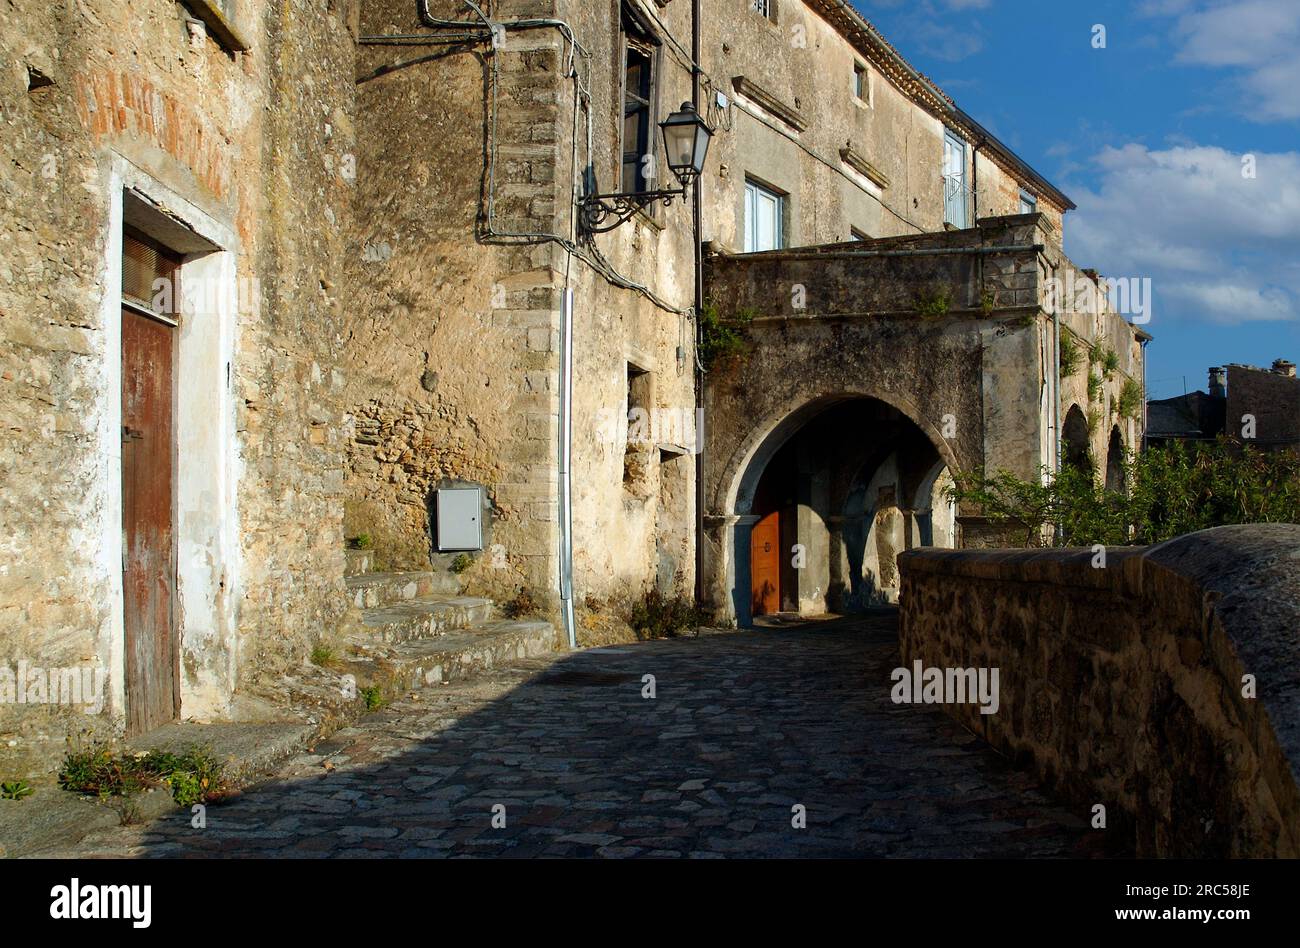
<point x="686" y="142"/>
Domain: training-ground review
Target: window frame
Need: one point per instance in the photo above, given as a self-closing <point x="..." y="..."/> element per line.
<point x="636" y="35"/>
<point x="1028" y="199"/>
<point x="780" y="202"/>
<point x="950" y="136"/>
<point x="862" y="83"/>
<point x="169" y="262"/>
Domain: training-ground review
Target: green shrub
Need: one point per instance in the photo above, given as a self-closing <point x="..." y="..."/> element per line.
<point x="194" y="776"/>
<point x="722" y="340"/>
<point x="1094" y="386"/>
<point x="933" y="305"/>
<point x="1130" y="399"/>
<point x="1071" y="356"/>
<point x="362" y="541"/>
<point x="658" y="617"/>
<point x="324" y="656"/>
<point x="372" y="697"/>
<point x="1172" y="490"/>
<point x="1094" y="419"/>
<point x="461" y="562"/>
<point x="14" y="790"/>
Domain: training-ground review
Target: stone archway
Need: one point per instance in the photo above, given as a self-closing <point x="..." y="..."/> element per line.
<point x="1116" y="476"/>
<point x="1075" y="448"/>
<point x="850" y="478"/>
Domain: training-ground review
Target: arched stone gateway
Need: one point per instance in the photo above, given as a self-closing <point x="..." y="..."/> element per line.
<point x="825" y="497"/>
<point x="874" y="374"/>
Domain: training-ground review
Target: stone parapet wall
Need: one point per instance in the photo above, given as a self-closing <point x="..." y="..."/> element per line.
<point x="1125" y="685"/>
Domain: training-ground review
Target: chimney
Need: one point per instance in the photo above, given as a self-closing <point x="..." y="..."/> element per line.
<point x="1283" y="367"/>
<point x="1217" y="378"/>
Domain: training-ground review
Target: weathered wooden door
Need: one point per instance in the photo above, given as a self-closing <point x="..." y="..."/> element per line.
<point x="765" y="565"/>
<point x="148" y="535"/>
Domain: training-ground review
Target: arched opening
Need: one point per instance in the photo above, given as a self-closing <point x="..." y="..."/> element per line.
<point x="1074" y="439"/>
<point x="826" y="504"/>
<point x="1115" y="476"/>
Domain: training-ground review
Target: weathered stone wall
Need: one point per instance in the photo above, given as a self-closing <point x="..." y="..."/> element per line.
<point x="1124" y="686"/>
<point x="288" y="379"/>
<point x="103" y="96"/>
<point x="927" y="333"/>
<point x="453" y="337"/>
<point x="1274" y="401"/>
<point x="1087" y="318"/>
<point x="633" y="506"/>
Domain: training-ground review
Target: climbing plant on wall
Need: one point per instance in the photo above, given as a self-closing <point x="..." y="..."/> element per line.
<point x="722" y="340"/>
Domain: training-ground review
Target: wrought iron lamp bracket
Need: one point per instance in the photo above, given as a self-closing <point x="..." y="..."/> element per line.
<point x="604" y="212"/>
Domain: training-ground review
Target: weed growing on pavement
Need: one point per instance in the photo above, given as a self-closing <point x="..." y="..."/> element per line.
<point x="659" y="617"/>
<point x="193" y="776"/>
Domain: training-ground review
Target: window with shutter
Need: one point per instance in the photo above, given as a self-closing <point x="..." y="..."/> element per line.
<point x="150" y="277"/>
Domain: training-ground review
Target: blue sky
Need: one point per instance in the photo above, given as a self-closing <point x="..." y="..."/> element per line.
<point x="1147" y="136"/>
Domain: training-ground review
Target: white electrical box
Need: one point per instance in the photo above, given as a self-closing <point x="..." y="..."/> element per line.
<point x="460" y="518"/>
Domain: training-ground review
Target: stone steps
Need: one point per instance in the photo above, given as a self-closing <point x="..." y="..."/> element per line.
<point x="371" y="590"/>
<point x="423" y="618"/>
<point x="416" y="629"/>
<point x="453" y="656"/>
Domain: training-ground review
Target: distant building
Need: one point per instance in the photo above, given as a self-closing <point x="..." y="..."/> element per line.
<point x="1252" y="405"/>
<point x="1264" y="405"/>
<point x="1194" y="416"/>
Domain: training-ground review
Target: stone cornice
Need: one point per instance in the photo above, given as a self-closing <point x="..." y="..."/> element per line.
<point x="859" y="163"/>
<point x="769" y="103"/>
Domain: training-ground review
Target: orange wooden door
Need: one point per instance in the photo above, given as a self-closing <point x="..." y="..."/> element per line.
<point x="765" y="565"/>
<point x="149" y="558"/>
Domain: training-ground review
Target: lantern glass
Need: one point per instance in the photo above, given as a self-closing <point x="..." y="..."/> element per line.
<point x="686" y="142"/>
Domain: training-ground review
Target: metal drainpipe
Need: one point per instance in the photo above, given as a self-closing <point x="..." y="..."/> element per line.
<point x="1145" y="394"/>
<point x="697" y="217"/>
<point x="565" y="466"/>
<point x="1056" y="390"/>
<point x="1056" y="395"/>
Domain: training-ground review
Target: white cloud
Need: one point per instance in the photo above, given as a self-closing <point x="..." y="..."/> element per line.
<point x="1243" y="33"/>
<point x="1218" y="246"/>
<point x="1257" y="38"/>
<point x="1229" y="303"/>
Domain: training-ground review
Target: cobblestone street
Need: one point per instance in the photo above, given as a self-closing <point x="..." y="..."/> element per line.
<point x="743" y="727"/>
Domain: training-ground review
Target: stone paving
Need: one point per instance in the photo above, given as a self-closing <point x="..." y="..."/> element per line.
<point x="744" y="727"/>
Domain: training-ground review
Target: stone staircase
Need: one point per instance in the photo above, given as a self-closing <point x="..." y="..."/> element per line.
<point x="416" y="629"/>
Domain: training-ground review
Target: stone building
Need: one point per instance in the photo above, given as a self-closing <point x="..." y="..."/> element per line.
<point x="822" y="134"/>
<point x="174" y="194"/>
<point x="364" y="221"/>
<point x="1254" y="406"/>
<point x="912" y="314"/>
